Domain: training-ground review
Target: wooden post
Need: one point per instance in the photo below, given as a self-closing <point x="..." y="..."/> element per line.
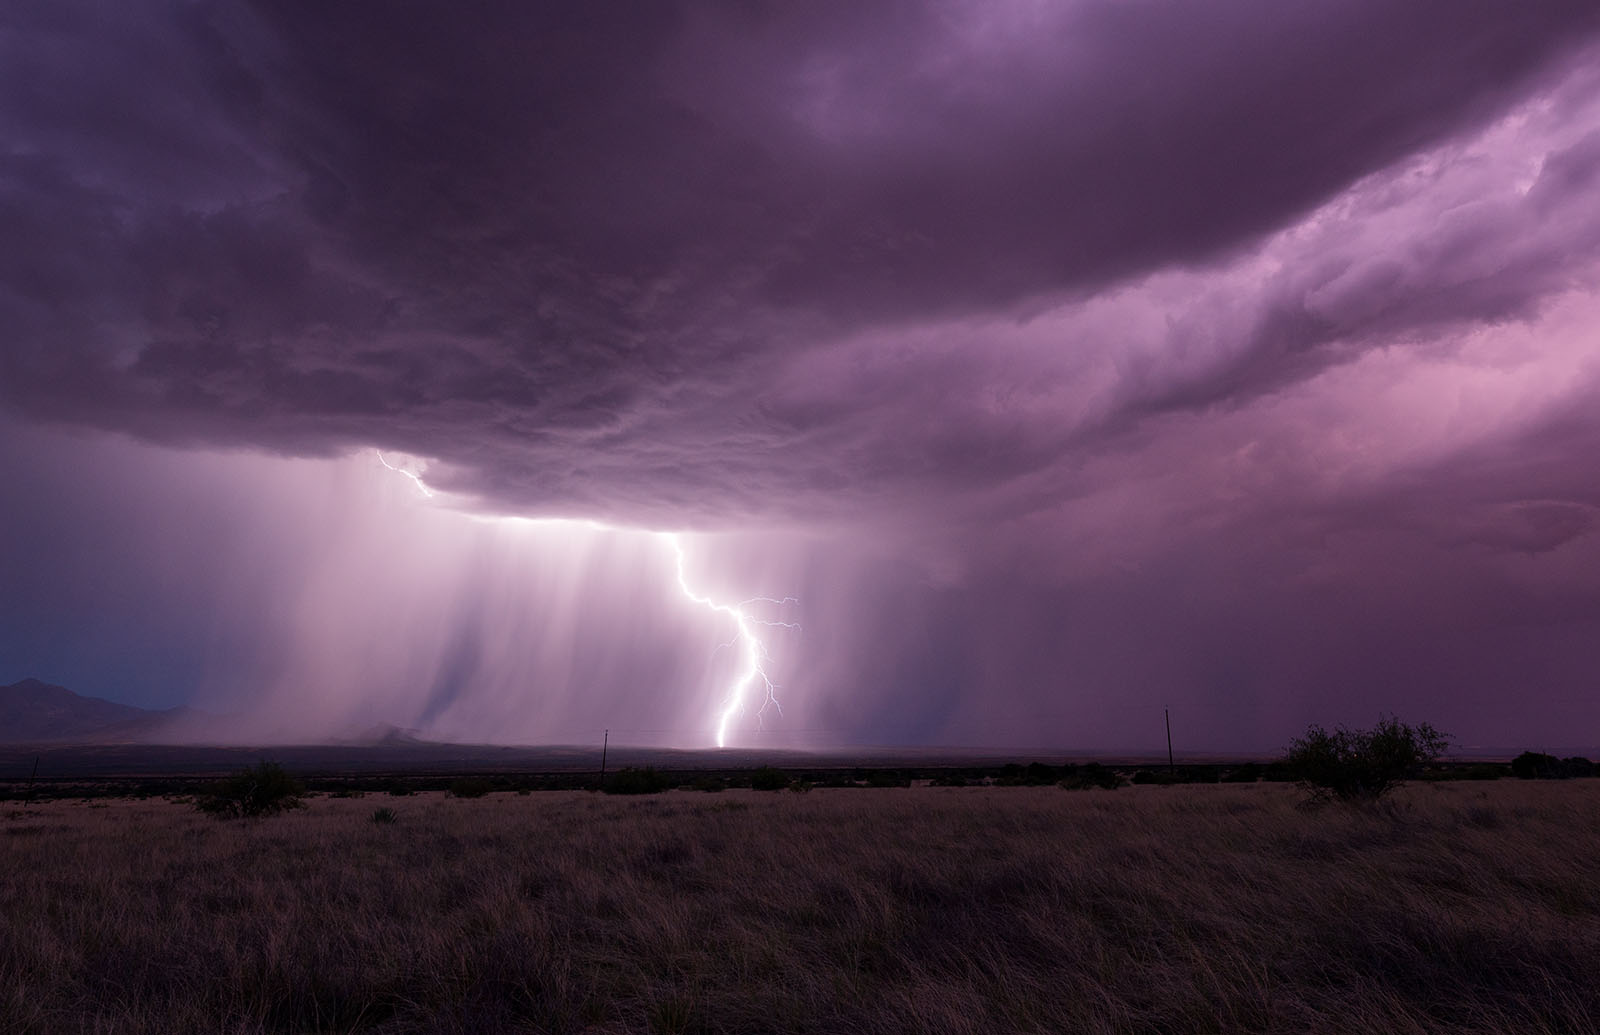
<point x="1167" y="714"/>
<point x="603" y="745"/>
<point x="29" y="799"/>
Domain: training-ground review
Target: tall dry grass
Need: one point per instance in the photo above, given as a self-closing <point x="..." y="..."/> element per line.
<point x="1463" y="908"/>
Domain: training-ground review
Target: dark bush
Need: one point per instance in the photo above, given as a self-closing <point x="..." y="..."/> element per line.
<point x="400" y="790"/>
<point x="1250" y="772"/>
<point x="710" y="784"/>
<point x="769" y="778"/>
<point x="1363" y="765"/>
<point x="1186" y="774"/>
<point x="1146" y="777"/>
<point x="470" y="787"/>
<point x="1535" y="765"/>
<point x="629" y="780"/>
<point x="1089" y="775"/>
<point x="1278" y="772"/>
<point x="383" y="816"/>
<point x="949" y="780"/>
<point x="887" y="778"/>
<point x="1577" y="766"/>
<point x="1037" y="774"/>
<point x="263" y="789"/>
<point x="1034" y="774"/>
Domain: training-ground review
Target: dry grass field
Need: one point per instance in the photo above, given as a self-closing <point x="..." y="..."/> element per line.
<point x="1466" y="907"/>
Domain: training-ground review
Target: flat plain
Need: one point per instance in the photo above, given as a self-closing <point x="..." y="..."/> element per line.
<point x="1455" y="907"/>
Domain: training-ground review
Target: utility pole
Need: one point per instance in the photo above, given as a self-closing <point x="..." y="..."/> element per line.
<point x="30" y="778"/>
<point x="605" y="743"/>
<point x="1167" y="714"/>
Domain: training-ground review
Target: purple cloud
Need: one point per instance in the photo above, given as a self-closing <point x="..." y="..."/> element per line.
<point x="1025" y="305"/>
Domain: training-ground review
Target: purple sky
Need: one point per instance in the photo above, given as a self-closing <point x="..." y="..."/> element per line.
<point x="1066" y="361"/>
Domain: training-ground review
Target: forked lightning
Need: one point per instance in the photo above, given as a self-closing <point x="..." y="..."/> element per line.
<point x="752" y="649"/>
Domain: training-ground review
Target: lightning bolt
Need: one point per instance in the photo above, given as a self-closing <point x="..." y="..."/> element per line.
<point x="751" y="647"/>
<point x="409" y="474"/>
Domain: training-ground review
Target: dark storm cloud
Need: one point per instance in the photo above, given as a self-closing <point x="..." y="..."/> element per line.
<point x="574" y="255"/>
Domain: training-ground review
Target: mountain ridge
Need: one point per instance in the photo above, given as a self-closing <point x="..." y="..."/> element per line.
<point x="33" y="711"/>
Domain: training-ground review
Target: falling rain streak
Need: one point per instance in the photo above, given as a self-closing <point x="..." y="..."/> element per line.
<point x="751" y="686"/>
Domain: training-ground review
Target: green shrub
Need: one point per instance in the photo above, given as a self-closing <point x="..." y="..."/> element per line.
<point x="470" y="787"/>
<point x="1362" y="765"/>
<point x="637" y="781"/>
<point x="710" y="784"/>
<point x="769" y="778"/>
<point x="383" y="816"/>
<point x="260" y="790"/>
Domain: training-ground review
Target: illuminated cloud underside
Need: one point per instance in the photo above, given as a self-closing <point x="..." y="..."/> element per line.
<point x="1070" y="361"/>
<point x="752" y="674"/>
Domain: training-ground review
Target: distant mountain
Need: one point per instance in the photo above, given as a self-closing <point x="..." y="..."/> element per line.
<point x="35" y="712"/>
<point x="384" y="734"/>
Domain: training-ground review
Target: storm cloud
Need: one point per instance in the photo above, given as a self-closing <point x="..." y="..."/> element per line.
<point x="1075" y="357"/>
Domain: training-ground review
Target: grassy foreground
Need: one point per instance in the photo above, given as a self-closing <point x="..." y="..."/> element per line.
<point x="1460" y="908"/>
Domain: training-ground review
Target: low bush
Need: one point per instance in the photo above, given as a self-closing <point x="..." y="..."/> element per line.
<point x="637" y="781"/>
<point x="709" y="784"/>
<point x="259" y="790"/>
<point x="1362" y="765"/>
<point x="769" y="778"/>
<point x="383" y="816"/>
<point x="1577" y="766"/>
<point x="470" y="787"/>
<point x="1250" y="772"/>
<point x="1034" y="774"/>
<point x="1535" y="765"/>
<point x="1088" y="776"/>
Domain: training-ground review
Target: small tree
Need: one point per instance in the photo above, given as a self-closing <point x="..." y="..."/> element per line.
<point x="263" y="789"/>
<point x="1362" y="765"/>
